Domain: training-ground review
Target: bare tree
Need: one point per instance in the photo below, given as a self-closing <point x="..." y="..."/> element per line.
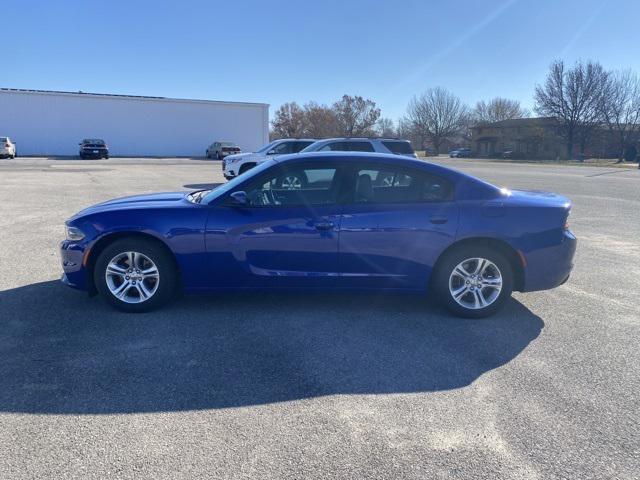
<point x="288" y="121"/>
<point x="438" y="115"/>
<point x="356" y="116"/>
<point x="573" y="96"/>
<point x="620" y="107"/>
<point x="320" y="121"/>
<point x="498" y="109"/>
<point x="386" y="128"/>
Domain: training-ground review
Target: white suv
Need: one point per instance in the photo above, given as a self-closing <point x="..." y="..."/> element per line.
<point x="7" y="148"/>
<point x="234" y="165"/>
<point x="351" y="144"/>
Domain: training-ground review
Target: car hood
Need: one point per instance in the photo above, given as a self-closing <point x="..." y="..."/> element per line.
<point x="244" y="156"/>
<point x="151" y="200"/>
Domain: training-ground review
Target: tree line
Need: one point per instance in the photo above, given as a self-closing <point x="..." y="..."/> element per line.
<point x="582" y="98"/>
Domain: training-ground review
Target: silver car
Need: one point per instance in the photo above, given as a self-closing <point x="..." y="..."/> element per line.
<point x="220" y="150"/>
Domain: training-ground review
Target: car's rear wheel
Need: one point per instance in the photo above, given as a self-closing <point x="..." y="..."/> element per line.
<point x="135" y="275"/>
<point x="218" y="156"/>
<point x="474" y="282"/>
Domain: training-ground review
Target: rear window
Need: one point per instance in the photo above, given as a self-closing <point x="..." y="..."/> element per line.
<point x="400" y="148"/>
<point x="94" y="141"/>
<point x="3" y="139"/>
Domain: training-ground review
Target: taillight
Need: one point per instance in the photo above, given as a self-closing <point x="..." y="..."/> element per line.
<point x="566" y="222"/>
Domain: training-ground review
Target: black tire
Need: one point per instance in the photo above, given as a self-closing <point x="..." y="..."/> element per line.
<point x="451" y="260"/>
<point x="245" y="167"/>
<point x="167" y="280"/>
<point x="106" y="157"/>
<point x="218" y="156"/>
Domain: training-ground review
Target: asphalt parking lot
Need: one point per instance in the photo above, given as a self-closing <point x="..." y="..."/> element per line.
<point x="316" y="386"/>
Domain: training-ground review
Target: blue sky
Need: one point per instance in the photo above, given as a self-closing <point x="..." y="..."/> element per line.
<point x="278" y="51"/>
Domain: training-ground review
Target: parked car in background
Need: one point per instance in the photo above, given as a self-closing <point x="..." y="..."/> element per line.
<point x="93" y="148"/>
<point x="351" y="144"/>
<point x="220" y="150"/>
<point x="236" y="164"/>
<point x="7" y="148"/>
<point x="460" y="153"/>
<point x="356" y="221"/>
<point x="512" y="154"/>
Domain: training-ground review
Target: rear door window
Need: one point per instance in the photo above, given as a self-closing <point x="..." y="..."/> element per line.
<point x="381" y="184"/>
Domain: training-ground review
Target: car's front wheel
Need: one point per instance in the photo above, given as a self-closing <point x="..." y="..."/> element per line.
<point x="474" y="282"/>
<point x="135" y="275"/>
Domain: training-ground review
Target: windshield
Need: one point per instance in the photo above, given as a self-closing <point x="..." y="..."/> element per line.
<point x="267" y="147"/>
<point x="233" y="183"/>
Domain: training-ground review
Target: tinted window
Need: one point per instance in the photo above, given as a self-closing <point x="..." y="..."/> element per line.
<point x="297" y="146"/>
<point x="334" y="147"/>
<point x="400" y="148"/>
<point x="281" y="149"/>
<point x="360" y="146"/>
<point x="296" y="185"/>
<point x="388" y="184"/>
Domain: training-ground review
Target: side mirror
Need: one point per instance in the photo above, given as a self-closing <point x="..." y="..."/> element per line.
<point x="239" y="199"/>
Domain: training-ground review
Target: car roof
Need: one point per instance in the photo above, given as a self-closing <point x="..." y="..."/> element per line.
<point x="342" y="139"/>
<point x="296" y="140"/>
<point x="368" y="157"/>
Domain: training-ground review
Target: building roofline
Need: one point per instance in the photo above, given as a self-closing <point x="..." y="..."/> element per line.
<point x="126" y="97"/>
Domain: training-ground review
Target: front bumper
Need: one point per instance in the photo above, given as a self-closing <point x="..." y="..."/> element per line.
<point x="227" y="170"/>
<point x="72" y="256"/>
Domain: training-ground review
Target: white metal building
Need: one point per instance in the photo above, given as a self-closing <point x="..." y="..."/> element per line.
<point x="53" y="123"/>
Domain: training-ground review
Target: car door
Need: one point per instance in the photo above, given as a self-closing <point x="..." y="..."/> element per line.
<point x="395" y="223"/>
<point x="286" y="235"/>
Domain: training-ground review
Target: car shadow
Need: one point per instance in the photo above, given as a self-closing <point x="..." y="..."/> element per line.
<point x="63" y="352"/>
<point x="201" y="186"/>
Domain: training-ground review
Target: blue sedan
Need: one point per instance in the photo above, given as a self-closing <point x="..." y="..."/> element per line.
<point x="326" y="220"/>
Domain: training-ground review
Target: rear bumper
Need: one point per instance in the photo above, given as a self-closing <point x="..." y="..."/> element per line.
<point x="550" y="267"/>
<point x="91" y="154"/>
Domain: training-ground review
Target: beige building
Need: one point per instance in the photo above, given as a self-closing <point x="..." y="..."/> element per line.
<point x="526" y="137"/>
<point x="538" y="138"/>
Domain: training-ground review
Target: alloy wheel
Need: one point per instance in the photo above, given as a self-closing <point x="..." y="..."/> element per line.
<point x="132" y="277"/>
<point x="291" y="182"/>
<point x="475" y="283"/>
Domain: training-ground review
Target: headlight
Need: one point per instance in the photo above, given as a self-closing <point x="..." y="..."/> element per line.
<point x="74" y="234"/>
